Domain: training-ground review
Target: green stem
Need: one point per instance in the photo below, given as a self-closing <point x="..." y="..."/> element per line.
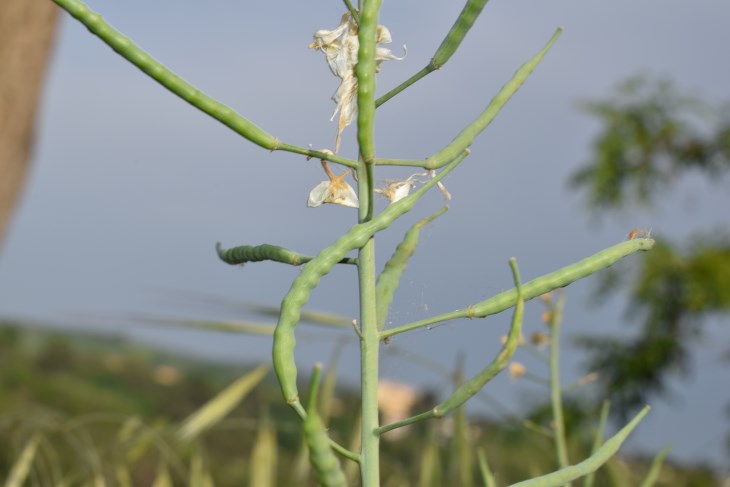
<point x="598" y="439"/>
<point x="369" y="350"/>
<point x="157" y="71"/>
<point x="365" y="72"/>
<point x="656" y="466"/>
<point x="369" y="333"/>
<point x="556" y="400"/>
<point x="465" y="138"/>
<point x="353" y="11"/>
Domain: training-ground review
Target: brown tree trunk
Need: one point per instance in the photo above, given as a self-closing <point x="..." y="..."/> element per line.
<point x="26" y="36"/>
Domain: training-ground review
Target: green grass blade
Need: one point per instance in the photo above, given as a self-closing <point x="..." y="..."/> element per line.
<point x="21" y="468"/>
<point x="262" y="467"/>
<point x="591" y="464"/>
<point x="163" y="478"/>
<point x="484" y="469"/>
<point x="656" y="467"/>
<point x="217" y="408"/>
<point x="598" y="439"/>
<point x="430" y="471"/>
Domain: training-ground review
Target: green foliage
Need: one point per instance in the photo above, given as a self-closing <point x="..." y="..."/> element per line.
<point x="650" y="136"/>
<point x="143" y="448"/>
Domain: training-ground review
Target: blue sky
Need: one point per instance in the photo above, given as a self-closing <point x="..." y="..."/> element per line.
<point x="131" y="187"/>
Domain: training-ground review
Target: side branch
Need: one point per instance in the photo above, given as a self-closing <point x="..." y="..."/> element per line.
<point x="448" y="47"/>
<point x="536" y="287"/>
<point x="465" y="138"/>
<point x="157" y="71"/>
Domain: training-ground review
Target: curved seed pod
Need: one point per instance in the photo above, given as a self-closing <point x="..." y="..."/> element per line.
<point x="327" y="468"/>
<point x="247" y="253"/>
<point x="389" y="279"/>
<point x="298" y="295"/>
<point x="536" y="287"/>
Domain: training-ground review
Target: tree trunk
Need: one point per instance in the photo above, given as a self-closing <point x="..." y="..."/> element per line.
<point x="26" y="35"/>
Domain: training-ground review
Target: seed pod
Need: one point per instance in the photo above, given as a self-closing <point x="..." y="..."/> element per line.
<point x="536" y="287"/>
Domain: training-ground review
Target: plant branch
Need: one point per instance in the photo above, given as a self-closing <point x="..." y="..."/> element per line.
<point x="465" y="138"/>
<point x="157" y="71"/>
<point x="448" y="46"/>
<point x="536" y="287"/>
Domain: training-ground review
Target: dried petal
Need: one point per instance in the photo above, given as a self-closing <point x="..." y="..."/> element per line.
<point x="340" y="47"/>
<point x="336" y="191"/>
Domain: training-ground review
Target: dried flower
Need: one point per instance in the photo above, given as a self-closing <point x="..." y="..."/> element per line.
<point x="340" y="47"/>
<point x="516" y="370"/>
<point x="539" y="339"/>
<point x="336" y="191"/>
<point x="397" y="189"/>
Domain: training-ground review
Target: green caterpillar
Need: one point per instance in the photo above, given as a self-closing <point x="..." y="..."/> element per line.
<point x="314" y="270"/>
<point x="538" y="286"/>
<point x="246" y="253"/>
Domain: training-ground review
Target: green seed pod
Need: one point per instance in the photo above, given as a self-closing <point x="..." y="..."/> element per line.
<point x="458" y="31"/>
<point x="389" y="279"/>
<point x="536" y="287"/>
<point x="327" y="468"/>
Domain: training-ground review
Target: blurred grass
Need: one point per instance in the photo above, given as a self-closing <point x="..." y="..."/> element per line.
<point x="102" y="411"/>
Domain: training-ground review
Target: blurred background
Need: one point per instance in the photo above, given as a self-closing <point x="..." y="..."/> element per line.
<point x="128" y="189"/>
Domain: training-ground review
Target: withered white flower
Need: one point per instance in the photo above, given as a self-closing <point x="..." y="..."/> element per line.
<point x="340" y="47"/>
<point x="336" y="191"/>
<point x="397" y="189"/>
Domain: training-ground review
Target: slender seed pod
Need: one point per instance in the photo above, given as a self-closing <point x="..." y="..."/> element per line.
<point x="298" y="295"/>
<point x="327" y="467"/>
<point x="536" y="287"/>
<point x="389" y="279"/>
<point x="246" y="253"/>
<point x="365" y="72"/>
<point x="465" y="138"/>
<point x="157" y="71"/>
<point x="448" y="46"/>
<point x="458" y="31"/>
